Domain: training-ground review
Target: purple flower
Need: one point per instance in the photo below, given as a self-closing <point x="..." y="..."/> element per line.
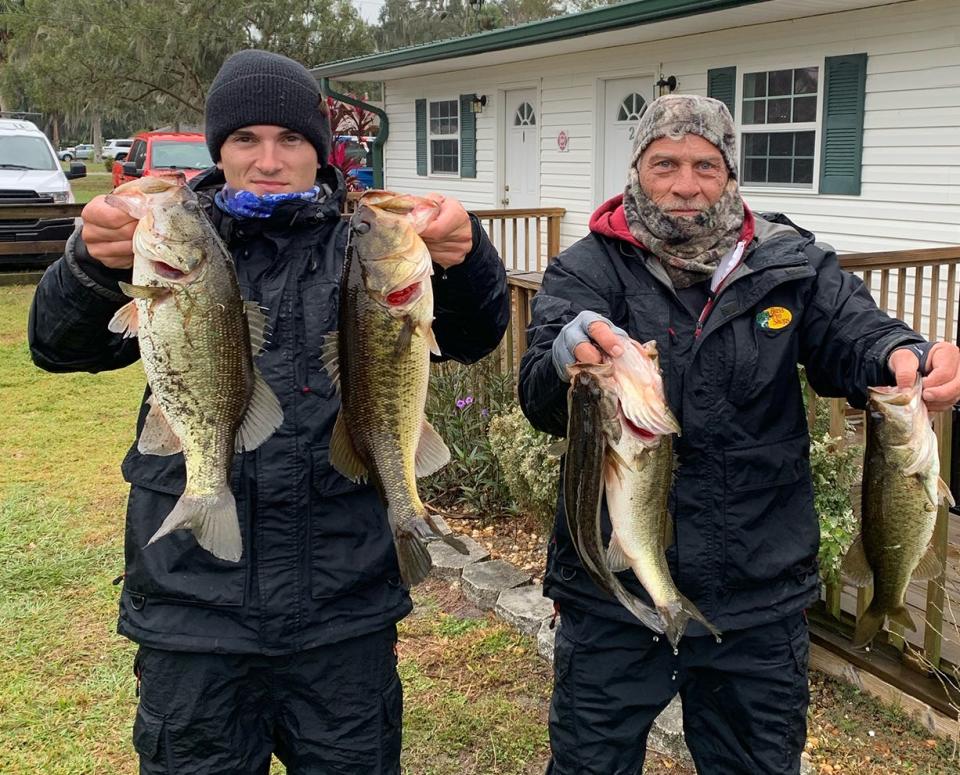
<point x="468" y="400"/>
<point x="484" y="413"/>
<point x="461" y="403"/>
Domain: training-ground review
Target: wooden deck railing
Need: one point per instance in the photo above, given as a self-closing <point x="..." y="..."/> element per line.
<point x="527" y="239"/>
<point x="893" y="279"/>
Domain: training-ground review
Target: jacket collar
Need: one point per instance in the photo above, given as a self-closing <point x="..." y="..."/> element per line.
<point x="207" y="183"/>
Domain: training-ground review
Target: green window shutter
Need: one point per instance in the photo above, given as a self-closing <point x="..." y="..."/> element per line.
<point x="421" y="137"/>
<point x="841" y="144"/>
<point x="722" y="85"/>
<point x="468" y="138"/>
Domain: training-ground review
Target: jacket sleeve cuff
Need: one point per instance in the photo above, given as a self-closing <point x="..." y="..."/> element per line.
<point x="881" y="374"/>
<point x="100" y="279"/>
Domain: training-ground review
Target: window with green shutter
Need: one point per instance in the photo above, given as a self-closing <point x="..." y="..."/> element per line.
<point x="446" y="136"/>
<point x="842" y="142"/>
<point x="722" y="85"/>
<point x="421" y="137"/>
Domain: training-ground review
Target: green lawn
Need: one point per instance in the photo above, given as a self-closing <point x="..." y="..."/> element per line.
<point x="475" y="690"/>
<point x="85" y="189"/>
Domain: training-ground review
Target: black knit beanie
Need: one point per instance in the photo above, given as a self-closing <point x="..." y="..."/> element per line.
<point x="259" y="87"/>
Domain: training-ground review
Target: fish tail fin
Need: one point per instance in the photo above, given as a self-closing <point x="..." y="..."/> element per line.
<point x="676" y="617"/>
<point x="213" y="520"/>
<point x="901" y="616"/>
<point x="648" y="616"/>
<point x="868" y="625"/>
<point x="411" y="542"/>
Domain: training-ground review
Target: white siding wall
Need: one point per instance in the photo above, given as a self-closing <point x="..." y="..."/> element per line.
<point x="910" y="196"/>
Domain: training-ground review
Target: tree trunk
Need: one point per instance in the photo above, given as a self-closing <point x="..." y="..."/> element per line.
<point x="97" y="137"/>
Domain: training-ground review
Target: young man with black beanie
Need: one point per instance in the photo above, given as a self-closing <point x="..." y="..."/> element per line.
<point x="291" y="651"/>
<point x="734" y="300"/>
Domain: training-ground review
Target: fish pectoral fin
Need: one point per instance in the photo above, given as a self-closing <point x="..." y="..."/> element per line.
<point x="132" y="202"/>
<point x="666" y="531"/>
<point x="929" y="566"/>
<point x="258" y="325"/>
<point x="151" y="292"/>
<point x="432" y="452"/>
<point x="404" y="338"/>
<point x="330" y="357"/>
<point x="157" y="437"/>
<point x="343" y="455"/>
<point x="428" y="334"/>
<point x="855" y="567"/>
<point x="617" y="559"/>
<point x="901" y="616"/>
<point x="125" y="320"/>
<point x="263" y="416"/>
<point x="557" y="449"/>
<point x="943" y="490"/>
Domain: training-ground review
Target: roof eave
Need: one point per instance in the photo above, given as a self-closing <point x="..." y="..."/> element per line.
<point x="629" y="14"/>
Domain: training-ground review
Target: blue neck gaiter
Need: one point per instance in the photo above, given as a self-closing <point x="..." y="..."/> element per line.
<point x="245" y="204"/>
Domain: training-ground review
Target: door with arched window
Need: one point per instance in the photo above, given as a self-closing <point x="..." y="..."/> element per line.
<point x="624" y="102"/>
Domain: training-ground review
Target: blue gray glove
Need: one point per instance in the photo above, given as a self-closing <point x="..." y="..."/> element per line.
<point x="572" y="334"/>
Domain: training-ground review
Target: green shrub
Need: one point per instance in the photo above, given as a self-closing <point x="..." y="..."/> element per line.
<point x="530" y="470"/>
<point x="460" y="405"/>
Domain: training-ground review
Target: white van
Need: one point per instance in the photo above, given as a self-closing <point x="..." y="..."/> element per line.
<point x="29" y="168"/>
<point x="30" y="173"/>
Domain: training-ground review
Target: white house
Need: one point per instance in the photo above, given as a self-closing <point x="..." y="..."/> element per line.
<point x="848" y="111"/>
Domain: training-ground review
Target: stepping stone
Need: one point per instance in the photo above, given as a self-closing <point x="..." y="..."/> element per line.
<point x="448" y="563"/>
<point x="484" y="581"/>
<point x="524" y="607"/>
<point x="666" y="735"/>
<point x="545" y="640"/>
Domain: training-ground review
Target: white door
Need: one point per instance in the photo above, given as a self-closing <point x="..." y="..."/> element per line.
<point x="623" y="104"/>
<point x="521" y="177"/>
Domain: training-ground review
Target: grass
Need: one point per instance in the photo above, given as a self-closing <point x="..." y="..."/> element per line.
<point x="85" y="189"/>
<point x="475" y="690"/>
<point x="476" y="693"/>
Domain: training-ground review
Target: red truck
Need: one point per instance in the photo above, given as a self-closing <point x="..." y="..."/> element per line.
<point x="160" y="153"/>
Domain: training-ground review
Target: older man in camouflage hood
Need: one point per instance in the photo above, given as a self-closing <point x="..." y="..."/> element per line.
<point x="734" y="301"/>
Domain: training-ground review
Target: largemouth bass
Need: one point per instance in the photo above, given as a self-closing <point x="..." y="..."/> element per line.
<point x="592" y="429"/>
<point x="381" y="357"/>
<point x="902" y="490"/>
<point x="197" y="341"/>
<point x="637" y="477"/>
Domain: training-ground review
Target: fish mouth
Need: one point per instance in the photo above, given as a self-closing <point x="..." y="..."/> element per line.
<point x="643" y="433"/>
<point x="166" y="271"/>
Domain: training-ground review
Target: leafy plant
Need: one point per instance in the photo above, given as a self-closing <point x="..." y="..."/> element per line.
<point x="531" y="471"/>
<point x="461" y="404"/>
<point x="836" y="467"/>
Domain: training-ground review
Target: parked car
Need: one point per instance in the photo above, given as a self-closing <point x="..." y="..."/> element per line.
<point x="31" y="174"/>
<point x="67" y="154"/>
<point x="116" y="149"/>
<point x="158" y="153"/>
<point x="82" y="151"/>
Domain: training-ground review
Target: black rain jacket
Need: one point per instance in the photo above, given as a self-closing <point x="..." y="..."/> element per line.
<point x="318" y="561"/>
<point x="746" y="534"/>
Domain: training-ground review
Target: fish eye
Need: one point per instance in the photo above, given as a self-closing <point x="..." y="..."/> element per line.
<point x="191" y="207"/>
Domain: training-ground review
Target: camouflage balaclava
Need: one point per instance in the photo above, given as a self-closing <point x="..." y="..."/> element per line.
<point x="689" y="248"/>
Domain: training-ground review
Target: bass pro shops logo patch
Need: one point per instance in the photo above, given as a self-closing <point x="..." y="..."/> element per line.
<point x="774" y="318"/>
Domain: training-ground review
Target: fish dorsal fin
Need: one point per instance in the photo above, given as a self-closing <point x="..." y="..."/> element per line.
<point x="259" y="328"/>
<point x="617" y="559"/>
<point x="263" y="416"/>
<point x="125" y="320"/>
<point x="855" y="567"/>
<point x="929" y="566"/>
<point x="432" y="452"/>
<point x="330" y="358"/>
<point x="151" y="292"/>
<point x="343" y="455"/>
<point x="157" y="437"/>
